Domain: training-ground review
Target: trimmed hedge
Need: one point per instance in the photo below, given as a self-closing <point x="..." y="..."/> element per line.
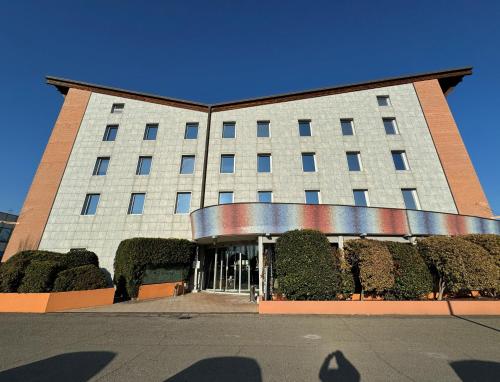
<point x="347" y="282"/>
<point x="490" y="243"/>
<point x="85" y="277"/>
<point x="39" y="276"/>
<point x="133" y="256"/>
<point x="305" y="266"/>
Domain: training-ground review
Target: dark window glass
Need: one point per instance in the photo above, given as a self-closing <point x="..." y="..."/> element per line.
<point x="183" y="203"/>
<point x="144" y="166"/>
<point x="228" y="130"/>
<point x="305" y="128"/>
<point x="265" y="196"/>
<point x="117" y="108"/>
<point x="150" y="132"/>
<point x="90" y="204"/>
<point x="263" y="129"/>
<point x="227" y="164"/>
<point x="353" y="161"/>
<point x="312" y="197"/>
<point x="225" y="197"/>
<point x="191" y="131"/>
<point x="308" y="162"/>
<point x="383" y="100"/>
<point x="399" y="159"/>
<point x="136" y="205"/>
<point x="264" y="163"/>
<point x="410" y="198"/>
<point x="187" y="164"/>
<point x="110" y="133"/>
<point x="5" y="234"/>
<point x="390" y="126"/>
<point x="101" y="166"/>
<point x="360" y="197"/>
<point x="347" y="126"/>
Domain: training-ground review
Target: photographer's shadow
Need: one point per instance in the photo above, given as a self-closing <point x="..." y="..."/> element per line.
<point x="345" y="370"/>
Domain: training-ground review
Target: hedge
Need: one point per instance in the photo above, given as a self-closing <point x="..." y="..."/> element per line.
<point x="133" y="256"/>
<point x="85" y="277"/>
<point x="305" y="266"/>
<point x="39" y="276"/>
<point x="490" y="243"/>
<point x="347" y="282"/>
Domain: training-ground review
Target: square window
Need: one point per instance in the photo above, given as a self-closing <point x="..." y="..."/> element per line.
<point x="90" y="204"/>
<point x="390" y="126"/>
<point x="187" y="164"/>
<point x="228" y="130"/>
<point x="263" y="129"/>
<point x="117" y="108"/>
<point x="227" y="164"/>
<point x="263" y="162"/>
<point x="410" y="198"/>
<point x="144" y="166"/>
<point x="225" y="197"/>
<point x="191" y="131"/>
<point x="265" y="196"/>
<point x="312" y="197"/>
<point x="305" y="128"/>
<point x="347" y="126"/>
<point x="136" y="205"/>
<point x="361" y="198"/>
<point x="308" y="162"/>
<point x="354" y="161"/>
<point x="383" y="100"/>
<point x="101" y="166"/>
<point x="110" y="133"/>
<point x="400" y="161"/>
<point x="150" y="132"/>
<point x="183" y="203"/>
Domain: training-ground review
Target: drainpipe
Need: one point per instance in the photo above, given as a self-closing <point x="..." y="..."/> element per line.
<point x="205" y="159"/>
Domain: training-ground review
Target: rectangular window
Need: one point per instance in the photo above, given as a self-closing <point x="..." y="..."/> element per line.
<point x="361" y="198"/>
<point x="265" y="196"/>
<point x="262" y="129"/>
<point x="183" y="203"/>
<point x="308" y="162"/>
<point x="227" y="164"/>
<point x="347" y="126"/>
<point x="383" y="100"/>
<point x="228" y="130"/>
<point x="225" y="197"/>
<point x="191" y="131"/>
<point x="400" y="161"/>
<point x="144" y="166"/>
<point x="187" y="164"/>
<point x="136" y="205"/>
<point x="117" y="108"/>
<point x="5" y="234"/>
<point x="150" y="132"/>
<point x="410" y="198"/>
<point x="263" y="162"/>
<point x="90" y="204"/>
<point x="390" y="126"/>
<point x="312" y="197"/>
<point x="110" y="133"/>
<point x="101" y="166"/>
<point x="305" y="128"/>
<point x="354" y="161"/>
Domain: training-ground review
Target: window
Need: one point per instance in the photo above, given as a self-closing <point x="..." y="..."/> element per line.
<point x="110" y="133"/>
<point x="225" y="197"/>
<point x="187" y="164"/>
<point x="262" y="129"/>
<point x="305" y="128"/>
<point x="410" y="198"/>
<point x="383" y="100"/>
<point x="265" y="196"/>
<point x="191" y="131"/>
<point x="308" y="162"/>
<point x="228" y="130"/>
<point x="312" y="197"/>
<point x="263" y="162"/>
<point x="361" y="197"/>
<point x="90" y="204"/>
<point x="354" y="161"/>
<point x="400" y="161"/>
<point x="227" y="164"/>
<point x="117" y="108"/>
<point x="150" y="132"/>
<point x="101" y="166"/>
<point x="144" y="166"/>
<point x="390" y="126"/>
<point x="5" y="234"/>
<point x="136" y="205"/>
<point x="347" y="126"/>
<point x="183" y="203"/>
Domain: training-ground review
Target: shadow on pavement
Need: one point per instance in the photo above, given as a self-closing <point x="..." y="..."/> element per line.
<point x="345" y="370"/>
<point x="75" y="367"/>
<point x="472" y="370"/>
<point x="221" y="369"/>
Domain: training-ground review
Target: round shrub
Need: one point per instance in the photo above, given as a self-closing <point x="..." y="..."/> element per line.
<point x="305" y="266"/>
<point x="85" y="277"/>
<point x="78" y="258"/>
<point x="39" y="276"/>
<point x="412" y="277"/>
<point x="490" y="243"/>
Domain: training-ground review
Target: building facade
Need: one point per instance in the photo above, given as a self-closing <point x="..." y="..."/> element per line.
<point x="7" y="224"/>
<point x="382" y="158"/>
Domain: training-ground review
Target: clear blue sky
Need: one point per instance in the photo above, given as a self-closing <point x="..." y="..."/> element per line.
<point x="212" y="51"/>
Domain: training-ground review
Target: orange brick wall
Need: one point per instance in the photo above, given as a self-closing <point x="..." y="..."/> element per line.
<point x="43" y="190"/>
<point x="462" y="178"/>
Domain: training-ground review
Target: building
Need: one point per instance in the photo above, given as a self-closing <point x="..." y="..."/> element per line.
<point x="377" y="159"/>
<point x="7" y="223"/>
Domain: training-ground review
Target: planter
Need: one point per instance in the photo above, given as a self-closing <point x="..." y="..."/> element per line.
<point x="54" y="302"/>
<point x="147" y="292"/>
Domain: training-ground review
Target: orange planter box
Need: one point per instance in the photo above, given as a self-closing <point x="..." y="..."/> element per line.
<point x="54" y="302"/>
<point x="150" y="291"/>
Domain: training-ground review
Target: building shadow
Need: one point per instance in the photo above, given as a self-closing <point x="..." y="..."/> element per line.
<point x="473" y="370"/>
<point x="75" y="367"/>
<point x="221" y="369"/>
<point x="345" y="371"/>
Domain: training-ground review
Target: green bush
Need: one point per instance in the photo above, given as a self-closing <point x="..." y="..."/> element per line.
<point x="85" y="277"/>
<point x="133" y="256"/>
<point x="490" y="243"/>
<point x="39" y="276"/>
<point x="305" y="266"/>
<point x="78" y="258"/>
<point x="412" y="277"/>
<point x="347" y="283"/>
